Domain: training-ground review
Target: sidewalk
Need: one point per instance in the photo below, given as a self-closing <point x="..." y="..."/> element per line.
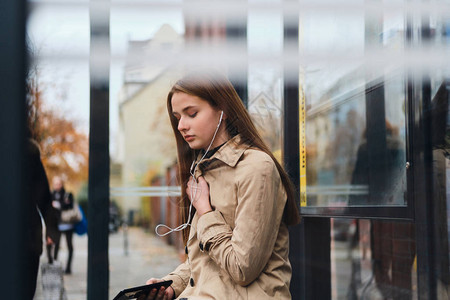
<point x="148" y="256"/>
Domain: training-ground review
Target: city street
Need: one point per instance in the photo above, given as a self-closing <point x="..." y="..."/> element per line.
<point x="147" y="256"/>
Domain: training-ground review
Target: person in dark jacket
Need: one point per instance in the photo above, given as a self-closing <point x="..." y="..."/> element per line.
<point x="40" y="203"/>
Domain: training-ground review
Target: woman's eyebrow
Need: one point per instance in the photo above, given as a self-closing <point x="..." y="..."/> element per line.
<point x="189" y="107"/>
<point x="184" y="109"/>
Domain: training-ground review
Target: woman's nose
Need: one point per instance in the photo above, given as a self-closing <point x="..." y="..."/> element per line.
<point x="182" y="124"/>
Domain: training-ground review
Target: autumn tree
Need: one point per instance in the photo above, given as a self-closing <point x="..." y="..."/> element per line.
<point x="64" y="148"/>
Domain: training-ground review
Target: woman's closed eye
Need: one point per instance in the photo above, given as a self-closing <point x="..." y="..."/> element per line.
<point x="192" y="115"/>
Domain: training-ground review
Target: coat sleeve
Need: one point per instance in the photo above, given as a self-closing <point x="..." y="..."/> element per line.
<point x="180" y="277"/>
<point x="244" y="251"/>
<point x="40" y="189"/>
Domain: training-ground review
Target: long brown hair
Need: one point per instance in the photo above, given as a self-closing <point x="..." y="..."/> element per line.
<point x="218" y="91"/>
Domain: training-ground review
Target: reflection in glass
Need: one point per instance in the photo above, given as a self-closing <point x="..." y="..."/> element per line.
<point x="355" y="124"/>
<point x="373" y="259"/>
<point x="380" y="160"/>
<point x="440" y="142"/>
<point x="355" y="147"/>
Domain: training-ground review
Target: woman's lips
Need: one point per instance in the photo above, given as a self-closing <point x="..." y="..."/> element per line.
<point x="188" y="138"/>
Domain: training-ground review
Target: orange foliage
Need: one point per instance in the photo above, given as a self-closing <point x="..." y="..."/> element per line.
<point x="64" y="148"/>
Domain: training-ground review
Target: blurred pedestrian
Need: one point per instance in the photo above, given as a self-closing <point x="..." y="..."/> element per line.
<point x="38" y="191"/>
<point x="63" y="201"/>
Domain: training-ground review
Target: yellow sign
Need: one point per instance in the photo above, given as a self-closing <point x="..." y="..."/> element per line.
<point x="302" y="121"/>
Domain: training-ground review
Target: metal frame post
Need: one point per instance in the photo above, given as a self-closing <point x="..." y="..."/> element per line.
<point x="98" y="217"/>
<point x="14" y="220"/>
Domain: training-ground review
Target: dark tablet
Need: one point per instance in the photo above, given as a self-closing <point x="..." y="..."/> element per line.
<point x="134" y="292"/>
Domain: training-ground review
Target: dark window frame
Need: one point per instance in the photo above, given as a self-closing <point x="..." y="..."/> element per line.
<point x="401" y="212"/>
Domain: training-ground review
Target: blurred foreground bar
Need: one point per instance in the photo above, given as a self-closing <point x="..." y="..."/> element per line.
<point x="98" y="217"/>
<point x="12" y="119"/>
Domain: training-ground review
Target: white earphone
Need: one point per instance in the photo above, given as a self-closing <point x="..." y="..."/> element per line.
<point x="193" y="190"/>
<point x="220" y="120"/>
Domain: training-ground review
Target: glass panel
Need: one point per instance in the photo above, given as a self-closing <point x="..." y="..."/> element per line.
<point x="145" y="39"/>
<point x="373" y="260"/>
<point x="58" y="99"/>
<point x="354" y="123"/>
<point x="440" y="114"/>
<point x="265" y="84"/>
<point x="440" y="142"/>
<point x="152" y="46"/>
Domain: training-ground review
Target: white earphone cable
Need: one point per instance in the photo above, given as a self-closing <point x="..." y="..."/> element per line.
<point x="193" y="190"/>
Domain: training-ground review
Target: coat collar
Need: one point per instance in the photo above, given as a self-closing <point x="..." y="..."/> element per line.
<point x="229" y="153"/>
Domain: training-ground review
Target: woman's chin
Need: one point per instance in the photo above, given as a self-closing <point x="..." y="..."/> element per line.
<point x="194" y="146"/>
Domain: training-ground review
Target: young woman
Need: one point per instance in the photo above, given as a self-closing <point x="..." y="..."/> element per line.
<point x="237" y="242"/>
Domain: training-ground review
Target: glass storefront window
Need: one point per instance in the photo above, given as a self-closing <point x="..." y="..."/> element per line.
<point x="355" y="110"/>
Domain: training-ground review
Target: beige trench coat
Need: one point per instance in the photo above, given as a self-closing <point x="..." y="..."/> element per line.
<point x="240" y="250"/>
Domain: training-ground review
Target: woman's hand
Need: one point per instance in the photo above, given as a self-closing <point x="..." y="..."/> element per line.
<point x="198" y="193"/>
<point x="161" y="294"/>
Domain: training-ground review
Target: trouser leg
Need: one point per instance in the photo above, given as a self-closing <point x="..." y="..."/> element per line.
<point x="56" y="241"/>
<point x="49" y="253"/>
<point x="69" y="235"/>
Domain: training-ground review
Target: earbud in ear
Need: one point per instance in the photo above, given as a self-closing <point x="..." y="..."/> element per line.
<point x="220" y="120"/>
